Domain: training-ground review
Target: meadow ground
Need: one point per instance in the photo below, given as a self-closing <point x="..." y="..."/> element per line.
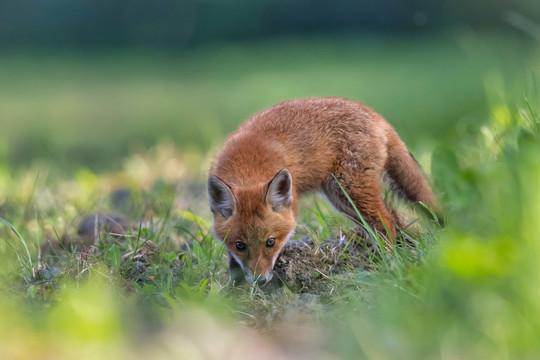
<point x="106" y="245"/>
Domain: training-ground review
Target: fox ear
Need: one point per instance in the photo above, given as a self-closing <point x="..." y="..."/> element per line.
<point x="222" y="200"/>
<point x="279" y="193"/>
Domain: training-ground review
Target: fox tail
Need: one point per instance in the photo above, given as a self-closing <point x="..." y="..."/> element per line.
<point x="408" y="177"/>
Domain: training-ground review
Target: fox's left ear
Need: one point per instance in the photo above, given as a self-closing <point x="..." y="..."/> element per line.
<point x="279" y="193"/>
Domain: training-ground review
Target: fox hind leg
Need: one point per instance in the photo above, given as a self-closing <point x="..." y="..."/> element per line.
<point x="365" y="192"/>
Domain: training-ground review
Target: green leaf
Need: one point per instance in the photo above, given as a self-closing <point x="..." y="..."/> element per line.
<point x="169" y="257"/>
<point x="149" y="289"/>
<point x="114" y="257"/>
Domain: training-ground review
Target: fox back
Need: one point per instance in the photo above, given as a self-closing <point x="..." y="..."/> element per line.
<point x="298" y="146"/>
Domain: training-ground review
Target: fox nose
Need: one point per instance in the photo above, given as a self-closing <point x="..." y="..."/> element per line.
<point x="259" y="279"/>
<point x="263" y="279"/>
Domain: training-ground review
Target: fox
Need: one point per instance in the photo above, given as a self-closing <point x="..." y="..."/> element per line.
<point x="331" y="145"/>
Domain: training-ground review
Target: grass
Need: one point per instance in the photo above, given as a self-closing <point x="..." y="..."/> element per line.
<point x="160" y="287"/>
<point x="94" y="109"/>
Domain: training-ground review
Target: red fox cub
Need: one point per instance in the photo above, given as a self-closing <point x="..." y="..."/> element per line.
<point x="295" y="147"/>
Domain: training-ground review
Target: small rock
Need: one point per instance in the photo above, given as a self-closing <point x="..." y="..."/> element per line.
<point x="96" y="226"/>
<point x="121" y="199"/>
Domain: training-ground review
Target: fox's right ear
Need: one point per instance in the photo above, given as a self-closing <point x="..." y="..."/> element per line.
<point x="222" y="200"/>
<point x="279" y="194"/>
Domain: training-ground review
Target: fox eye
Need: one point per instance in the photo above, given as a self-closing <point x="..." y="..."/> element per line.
<point x="241" y="246"/>
<point x="270" y="242"/>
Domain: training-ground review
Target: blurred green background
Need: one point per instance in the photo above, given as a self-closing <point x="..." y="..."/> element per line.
<point x="85" y="83"/>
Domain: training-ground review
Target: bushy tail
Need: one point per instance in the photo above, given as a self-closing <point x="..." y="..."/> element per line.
<point x="404" y="170"/>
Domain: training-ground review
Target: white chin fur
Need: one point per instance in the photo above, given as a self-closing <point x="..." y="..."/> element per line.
<point x="249" y="276"/>
<point x="237" y="260"/>
<point x="269" y="275"/>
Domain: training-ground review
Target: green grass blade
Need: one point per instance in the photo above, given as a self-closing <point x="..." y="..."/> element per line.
<point x="368" y="228"/>
<point x="115" y="257"/>
<point x="23" y="242"/>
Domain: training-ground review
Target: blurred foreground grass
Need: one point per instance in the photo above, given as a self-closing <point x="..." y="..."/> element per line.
<point x="466" y="292"/>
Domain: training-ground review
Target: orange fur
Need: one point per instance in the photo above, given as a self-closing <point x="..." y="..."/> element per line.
<point x="317" y="140"/>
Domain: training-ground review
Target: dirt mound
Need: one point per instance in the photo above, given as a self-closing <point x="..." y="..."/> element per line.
<point x="304" y="267"/>
<point x="307" y="267"/>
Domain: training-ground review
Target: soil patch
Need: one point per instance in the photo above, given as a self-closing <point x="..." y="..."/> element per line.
<point x="306" y="267"/>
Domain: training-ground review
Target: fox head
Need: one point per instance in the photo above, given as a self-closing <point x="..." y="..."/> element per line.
<point x="254" y="222"/>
